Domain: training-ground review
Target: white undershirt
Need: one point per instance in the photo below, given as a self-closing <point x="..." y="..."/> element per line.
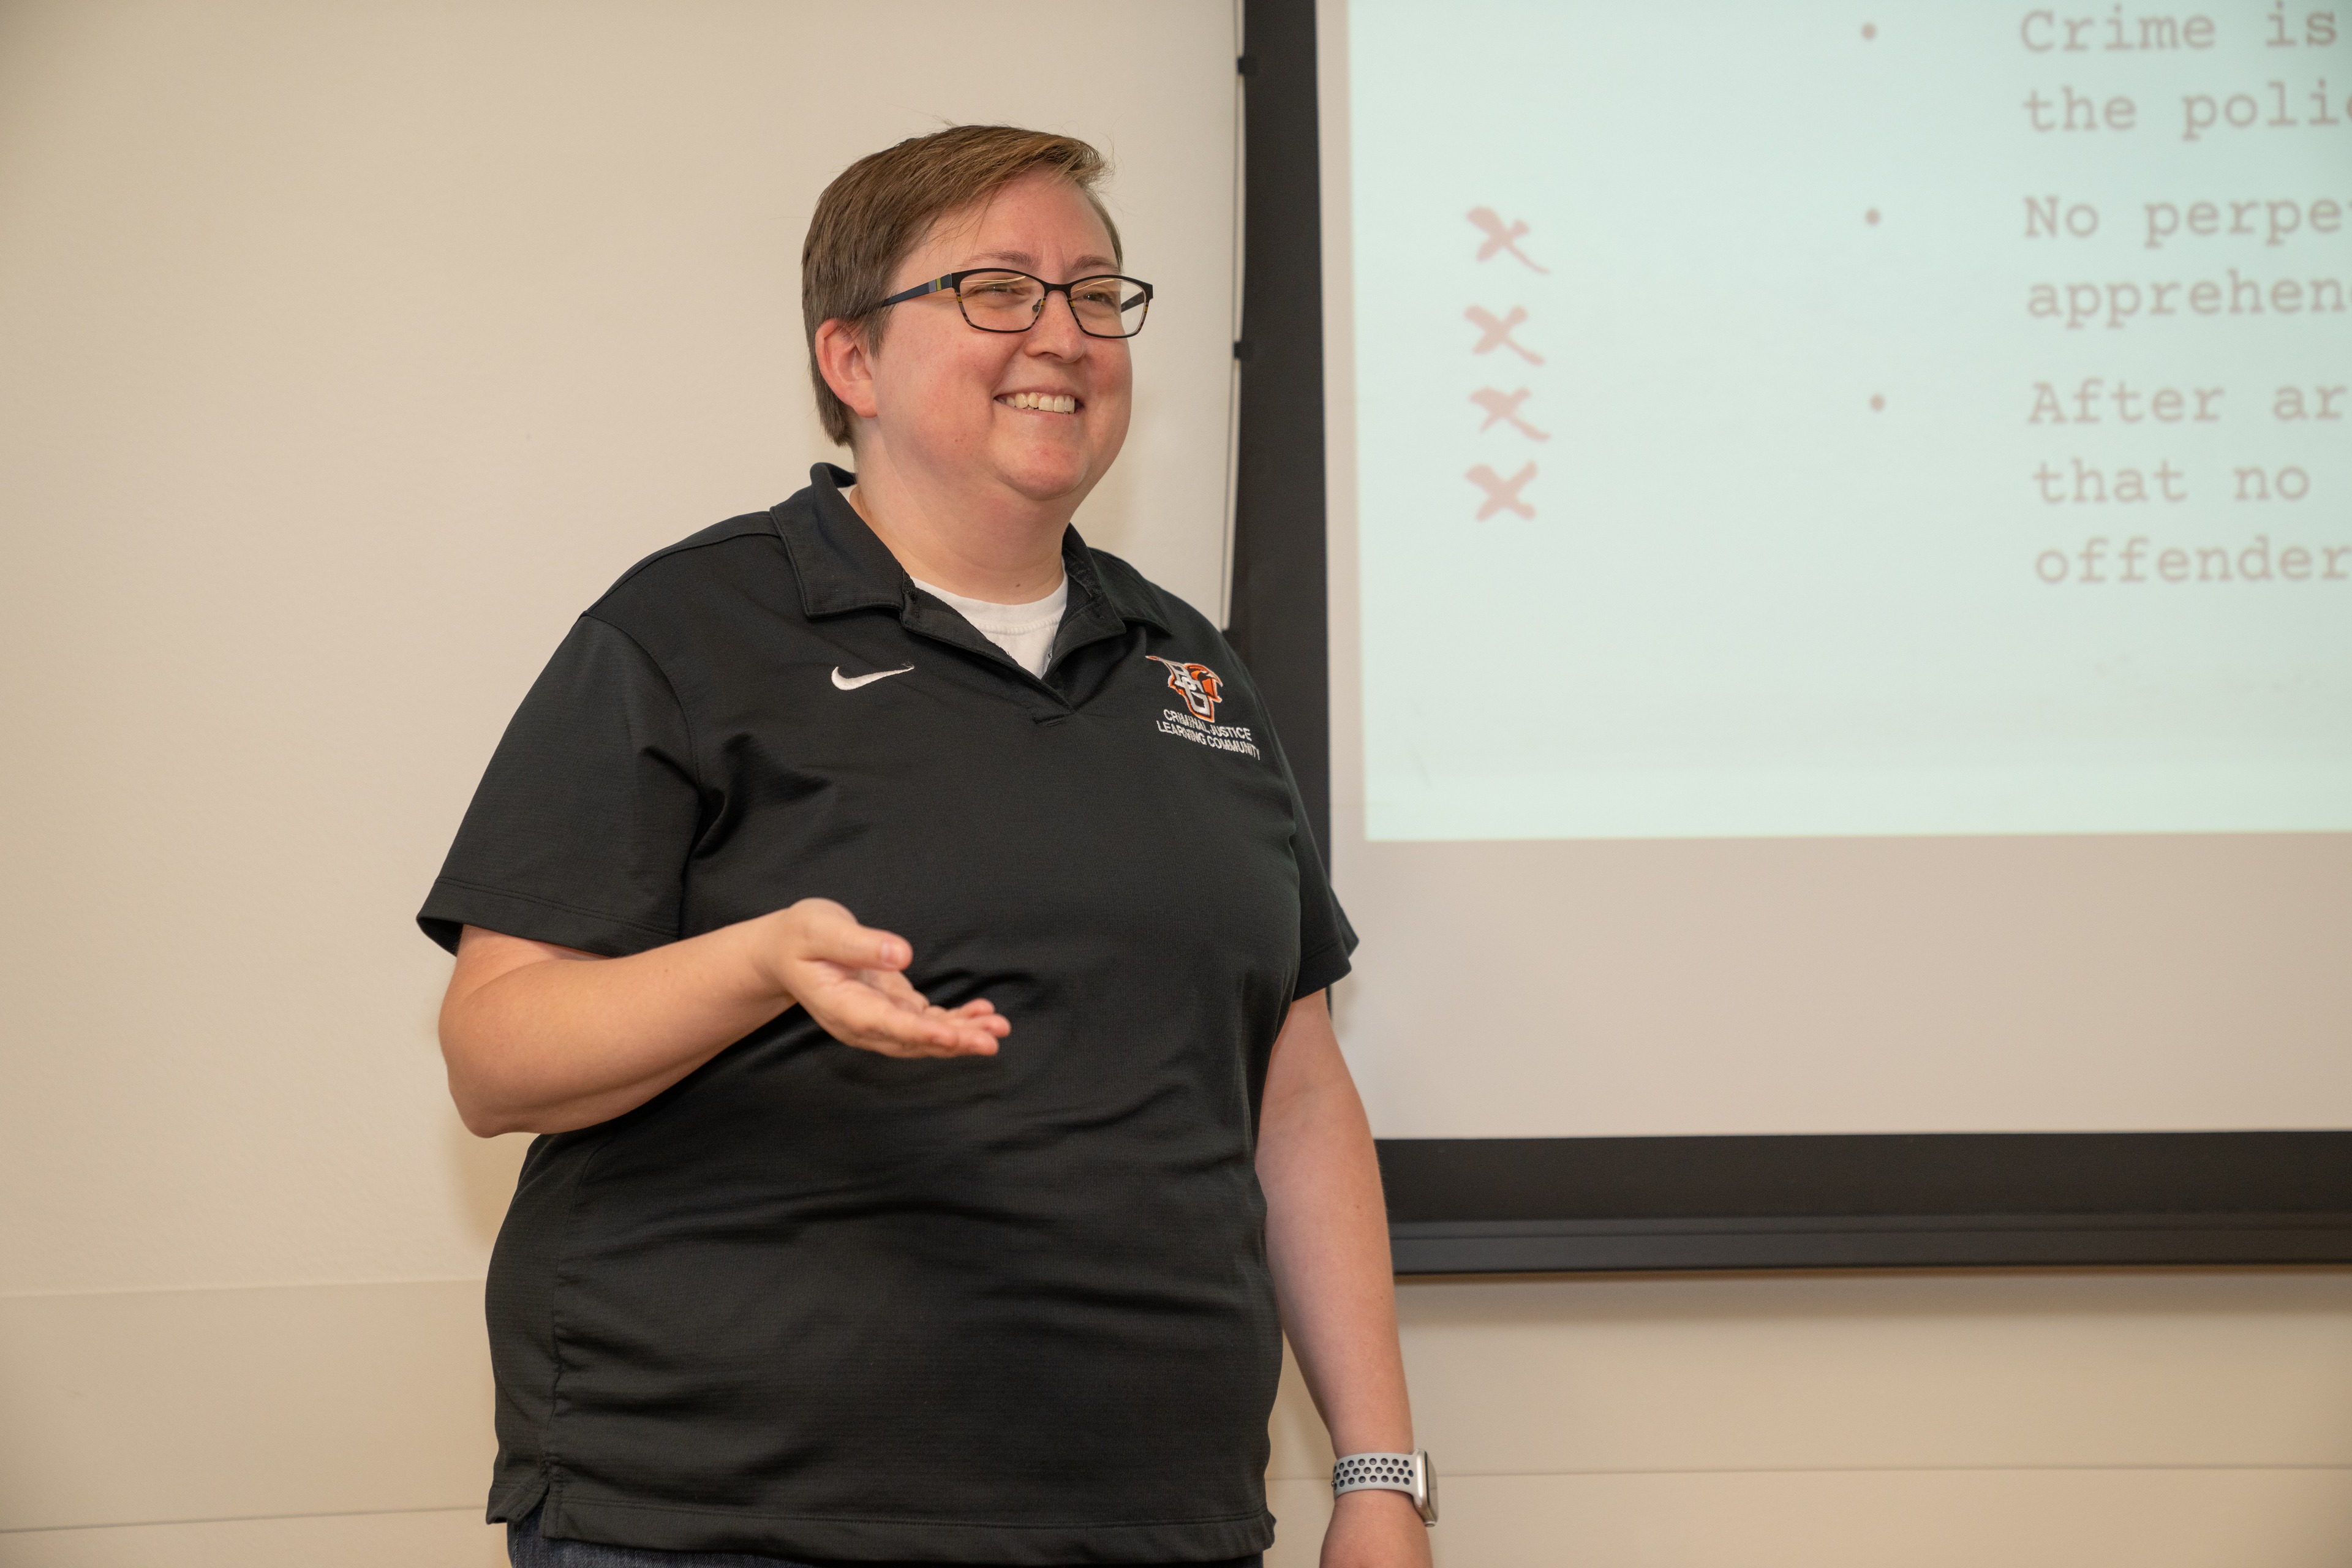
<point x="1024" y="631"/>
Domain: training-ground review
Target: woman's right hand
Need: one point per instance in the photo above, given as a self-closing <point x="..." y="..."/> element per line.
<point x="541" y="1038"/>
<point x="850" y="979"/>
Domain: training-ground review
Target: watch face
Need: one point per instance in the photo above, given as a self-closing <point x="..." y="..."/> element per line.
<point x="1424" y="1487"/>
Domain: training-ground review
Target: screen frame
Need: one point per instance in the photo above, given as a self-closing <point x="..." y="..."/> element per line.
<point x="1579" y="1205"/>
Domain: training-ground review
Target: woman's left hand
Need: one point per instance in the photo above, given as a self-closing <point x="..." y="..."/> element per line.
<point x="1375" y="1528"/>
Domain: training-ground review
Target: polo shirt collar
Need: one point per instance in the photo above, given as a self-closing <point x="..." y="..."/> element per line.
<point x="843" y="566"/>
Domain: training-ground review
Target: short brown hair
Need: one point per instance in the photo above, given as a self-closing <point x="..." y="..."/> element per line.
<point x="880" y="208"/>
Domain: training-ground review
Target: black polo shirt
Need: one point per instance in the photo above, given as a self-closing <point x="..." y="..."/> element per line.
<point x="817" y="1302"/>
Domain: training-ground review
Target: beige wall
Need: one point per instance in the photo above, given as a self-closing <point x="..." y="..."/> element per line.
<point x="346" y="349"/>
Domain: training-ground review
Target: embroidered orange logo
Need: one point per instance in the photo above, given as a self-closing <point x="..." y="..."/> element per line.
<point x="1197" y="684"/>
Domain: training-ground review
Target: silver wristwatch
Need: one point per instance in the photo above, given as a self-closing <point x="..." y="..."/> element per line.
<point x="1408" y="1473"/>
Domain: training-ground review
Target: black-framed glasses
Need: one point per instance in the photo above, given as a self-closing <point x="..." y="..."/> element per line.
<point x="999" y="300"/>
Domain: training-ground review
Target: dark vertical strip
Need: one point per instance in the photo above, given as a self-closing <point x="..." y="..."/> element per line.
<point x="1279" y="606"/>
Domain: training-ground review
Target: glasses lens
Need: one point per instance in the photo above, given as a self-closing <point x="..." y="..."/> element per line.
<point x="1000" y="302"/>
<point x="1109" y="307"/>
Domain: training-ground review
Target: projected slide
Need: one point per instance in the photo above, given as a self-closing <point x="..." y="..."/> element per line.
<point x="1858" y="419"/>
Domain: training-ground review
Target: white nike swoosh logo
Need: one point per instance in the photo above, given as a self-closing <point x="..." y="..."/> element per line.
<point x="851" y="682"/>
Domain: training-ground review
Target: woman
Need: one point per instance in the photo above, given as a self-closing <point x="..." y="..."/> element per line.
<point x="953" y="1229"/>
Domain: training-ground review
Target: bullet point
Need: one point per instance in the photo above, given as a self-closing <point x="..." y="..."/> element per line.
<point x="1868" y="32"/>
<point x="1878" y="402"/>
<point x="1870" y="216"/>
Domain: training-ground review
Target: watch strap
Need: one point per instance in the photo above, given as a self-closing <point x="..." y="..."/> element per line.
<point x="1407" y="1473"/>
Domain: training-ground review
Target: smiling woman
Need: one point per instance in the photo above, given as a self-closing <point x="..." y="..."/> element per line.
<point x="952" y="459"/>
<point x="961" y="1229"/>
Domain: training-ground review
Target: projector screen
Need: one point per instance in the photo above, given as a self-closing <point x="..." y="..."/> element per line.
<point x="1840" y="566"/>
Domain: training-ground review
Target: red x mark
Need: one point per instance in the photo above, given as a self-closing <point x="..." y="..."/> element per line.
<point x="1496" y="334"/>
<point x="1502" y="494"/>
<point x="1502" y="406"/>
<point x="1500" y="238"/>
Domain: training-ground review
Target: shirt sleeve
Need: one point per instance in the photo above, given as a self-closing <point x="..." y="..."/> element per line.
<point x="580" y="831"/>
<point x="1325" y="938"/>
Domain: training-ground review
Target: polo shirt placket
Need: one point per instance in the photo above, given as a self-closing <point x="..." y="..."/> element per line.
<point x="814" y="1301"/>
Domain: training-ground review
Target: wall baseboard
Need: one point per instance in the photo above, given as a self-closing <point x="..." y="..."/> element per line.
<point x="437" y="1538"/>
